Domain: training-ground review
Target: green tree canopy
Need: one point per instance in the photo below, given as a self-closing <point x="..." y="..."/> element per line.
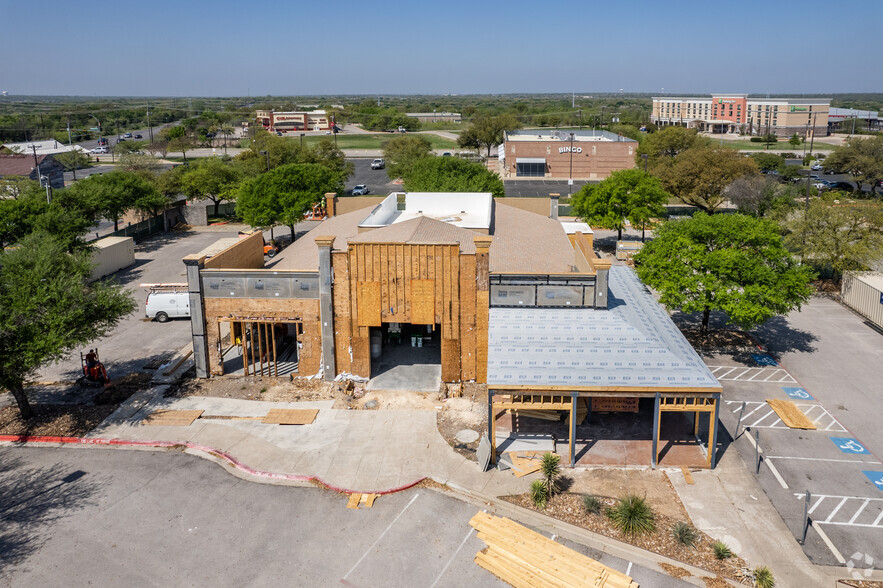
<point x="401" y="153"/>
<point x="211" y="178"/>
<point x="283" y="195"/>
<point x="50" y="308"/>
<point x="113" y="193"/>
<point x="838" y="236"/>
<point x="18" y="214"/>
<point x="861" y="157"/>
<point x="761" y="196"/>
<point x="283" y="151"/>
<point x="72" y="160"/>
<point x="627" y="194"/>
<point x="699" y="176"/>
<point x="487" y="131"/>
<point x="768" y="161"/>
<point x="452" y="174"/>
<point x="729" y="262"/>
<point x="667" y="143"/>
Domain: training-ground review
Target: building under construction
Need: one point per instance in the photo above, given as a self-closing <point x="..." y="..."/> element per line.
<point x="499" y="292"/>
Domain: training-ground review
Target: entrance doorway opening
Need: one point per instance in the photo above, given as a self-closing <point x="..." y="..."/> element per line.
<point x="405" y="357"/>
<point x="260" y="348"/>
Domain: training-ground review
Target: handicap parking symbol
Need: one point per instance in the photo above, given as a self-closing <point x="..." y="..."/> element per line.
<point x="763" y="359"/>
<point x="849" y="445"/>
<point x="876" y="478"/>
<point x="798" y="393"/>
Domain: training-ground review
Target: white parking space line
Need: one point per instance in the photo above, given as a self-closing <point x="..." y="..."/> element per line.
<point x="385" y="531"/>
<point x="837" y="555"/>
<point x="846" y="511"/>
<point x="450" y="561"/>
<point x="769" y="375"/>
<point x="777" y="475"/>
<point x="821" y="418"/>
<point x="823" y="459"/>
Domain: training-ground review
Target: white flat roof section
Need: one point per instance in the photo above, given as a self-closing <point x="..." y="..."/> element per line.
<point x="633" y="343"/>
<point x="563" y="135"/>
<point x="467" y="210"/>
<point x="572" y="228"/>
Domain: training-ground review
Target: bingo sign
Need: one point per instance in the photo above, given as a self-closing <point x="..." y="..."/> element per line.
<point x="849" y="445"/>
<point x="580" y="150"/>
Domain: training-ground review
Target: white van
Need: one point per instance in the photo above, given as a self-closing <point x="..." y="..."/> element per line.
<point x="163" y="304"/>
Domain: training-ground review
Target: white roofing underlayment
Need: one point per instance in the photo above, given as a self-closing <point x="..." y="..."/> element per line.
<point x="467" y="210"/>
<point x="631" y="343"/>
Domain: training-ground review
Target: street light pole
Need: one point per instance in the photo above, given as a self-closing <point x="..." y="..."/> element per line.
<point x="570" y="181"/>
<point x="267" y="153"/>
<point x="302" y="139"/>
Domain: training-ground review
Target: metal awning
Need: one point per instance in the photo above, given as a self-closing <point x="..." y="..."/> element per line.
<point x="530" y="160"/>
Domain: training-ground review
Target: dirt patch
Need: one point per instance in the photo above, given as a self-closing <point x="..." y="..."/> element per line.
<point x="861" y="583"/>
<point x="458" y="414"/>
<point x="258" y="388"/>
<point x="719" y="339"/>
<point x="63" y="420"/>
<point x="674" y="571"/>
<point x="568" y="507"/>
<point x="122" y="388"/>
<point x="653" y="485"/>
<point x="716" y="582"/>
<point x="827" y="288"/>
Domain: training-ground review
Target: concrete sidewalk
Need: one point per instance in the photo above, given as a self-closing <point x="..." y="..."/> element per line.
<point x="357" y="450"/>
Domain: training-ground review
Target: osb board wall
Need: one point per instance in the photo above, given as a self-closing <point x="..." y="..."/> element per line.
<point x="583" y="244"/>
<point x="305" y="312"/>
<point x="352" y="203"/>
<point x="540" y="206"/>
<point x="248" y="253"/>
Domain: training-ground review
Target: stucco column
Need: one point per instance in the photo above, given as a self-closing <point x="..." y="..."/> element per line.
<point x="326" y="308"/>
<point x="553" y="205"/>
<point x="194" y="263"/>
<point x="602" y="267"/>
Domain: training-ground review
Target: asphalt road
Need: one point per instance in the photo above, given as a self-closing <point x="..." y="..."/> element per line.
<point x="829" y="366"/>
<point x="77" y="516"/>
<point x="542" y="188"/>
<point x="135" y="342"/>
<point x="377" y="180"/>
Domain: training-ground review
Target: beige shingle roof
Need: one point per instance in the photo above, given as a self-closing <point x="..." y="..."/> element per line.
<point x="524" y="242"/>
<point x="420" y="230"/>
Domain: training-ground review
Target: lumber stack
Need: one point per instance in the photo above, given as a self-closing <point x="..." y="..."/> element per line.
<point x="525" y="558"/>
<point x="582" y="411"/>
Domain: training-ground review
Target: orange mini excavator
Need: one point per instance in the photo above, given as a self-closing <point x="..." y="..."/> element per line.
<point x="94" y="373"/>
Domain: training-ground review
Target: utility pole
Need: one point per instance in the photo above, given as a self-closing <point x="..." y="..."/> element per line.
<point x="570" y="181"/>
<point x="68" y="129"/>
<point x="150" y="128"/>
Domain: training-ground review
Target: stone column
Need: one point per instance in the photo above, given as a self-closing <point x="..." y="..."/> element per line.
<point x="602" y="267"/>
<point x="326" y="308"/>
<point x="553" y="205"/>
<point x="194" y="263"/>
<point x="331" y="204"/>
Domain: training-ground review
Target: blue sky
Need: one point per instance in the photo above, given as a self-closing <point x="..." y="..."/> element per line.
<point x="261" y="47"/>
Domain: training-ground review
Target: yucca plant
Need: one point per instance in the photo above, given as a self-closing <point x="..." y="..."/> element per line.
<point x="539" y="494"/>
<point x="550" y="467"/>
<point x="684" y="534"/>
<point x="632" y="515"/>
<point x="592" y="503"/>
<point x="721" y="550"/>
<point x="763" y="577"/>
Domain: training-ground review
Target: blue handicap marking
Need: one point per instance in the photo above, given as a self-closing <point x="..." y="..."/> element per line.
<point x="799" y="393"/>
<point x="849" y="445"/>
<point x="763" y="359"/>
<point x="876" y="478"/>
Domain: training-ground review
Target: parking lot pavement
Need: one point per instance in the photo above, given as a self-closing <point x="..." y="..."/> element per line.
<point x="828" y="365"/>
<point x="377" y="180"/>
<point x="541" y="188"/>
<point x="136" y="341"/>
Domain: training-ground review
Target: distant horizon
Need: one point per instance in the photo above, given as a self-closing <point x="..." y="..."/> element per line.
<point x="170" y="48"/>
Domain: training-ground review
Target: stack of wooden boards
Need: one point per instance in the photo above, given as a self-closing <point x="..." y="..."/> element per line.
<point x="582" y="410"/>
<point x="357" y="500"/>
<point x="276" y="416"/>
<point x="525" y="558"/>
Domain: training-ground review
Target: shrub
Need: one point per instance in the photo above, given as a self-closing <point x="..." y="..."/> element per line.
<point x="539" y="494"/>
<point x="551" y="468"/>
<point x="684" y="534"/>
<point x="756" y="139"/>
<point x="721" y="550"/>
<point x="632" y="515"/>
<point x="592" y="503"/>
<point x="763" y="577"/>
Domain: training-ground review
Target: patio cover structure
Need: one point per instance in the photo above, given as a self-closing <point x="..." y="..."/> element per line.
<point x="545" y="359"/>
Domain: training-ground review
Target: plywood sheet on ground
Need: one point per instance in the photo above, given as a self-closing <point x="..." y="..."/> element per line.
<point x="525" y="462"/>
<point x="172" y="418"/>
<point x="790" y="414"/>
<point x="290" y="416"/>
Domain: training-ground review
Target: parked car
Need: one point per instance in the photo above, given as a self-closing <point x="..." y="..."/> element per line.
<point x="138" y="136"/>
<point x="822" y="185"/>
<point x="378" y="164"/>
<point x="816" y="167"/>
<point x="278" y="133"/>
<point x="360" y="190"/>
<point x="162" y="305"/>
<point x="829" y="171"/>
<point x="447" y="154"/>
<point x="98" y="150"/>
<point x="127" y="136"/>
<point x="121" y="140"/>
<point x="815" y="176"/>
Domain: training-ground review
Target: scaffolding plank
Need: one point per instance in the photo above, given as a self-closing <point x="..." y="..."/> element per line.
<point x="172" y="418"/>
<point x="290" y="416"/>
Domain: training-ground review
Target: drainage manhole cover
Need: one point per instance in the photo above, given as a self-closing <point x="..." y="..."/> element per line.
<point x="467" y="436"/>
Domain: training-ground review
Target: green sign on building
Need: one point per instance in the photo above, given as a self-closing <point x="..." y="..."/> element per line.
<point x="798" y="109"/>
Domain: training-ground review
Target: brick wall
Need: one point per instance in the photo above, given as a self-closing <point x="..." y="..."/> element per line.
<point x="596" y="161"/>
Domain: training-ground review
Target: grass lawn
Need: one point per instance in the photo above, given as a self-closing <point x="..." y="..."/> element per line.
<point x="780" y="146"/>
<point x="373" y="141"/>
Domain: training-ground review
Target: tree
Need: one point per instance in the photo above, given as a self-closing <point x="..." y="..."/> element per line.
<point x="699" y="176"/>
<point x="114" y="193"/>
<point x="795" y="140"/>
<point x="487" y="131"/>
<point x="180" y="139"/>
<point x="667" y="143"/>
<point x="50" y="308"/>
<point x="226" y="129"/>
<point x="627" y="194"/>
<point x="768" y="161"/>
<point x="729" y="262"/>
<point x="839" y="236"/>
<point x="18" y="214"/>
<point x="759" y="195"/>
<point x="211" y="178"/>
<point x="15" y="186"/>
<point x="285" y="194"/>
<point x="452" y="174"/>
<point x="401" y="153"/>
<point x="141" y="164"/>
<point x="72" y="160"/>
<point x="861" y="157"/>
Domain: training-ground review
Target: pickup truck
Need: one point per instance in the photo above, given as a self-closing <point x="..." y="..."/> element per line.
<point x="378" y="164"/>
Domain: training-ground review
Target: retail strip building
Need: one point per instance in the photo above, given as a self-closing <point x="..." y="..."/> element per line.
<point x="489" y="290"/>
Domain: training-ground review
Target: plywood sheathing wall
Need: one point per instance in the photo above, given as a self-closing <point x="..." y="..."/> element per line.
<point x="411" y="284"/>
<point x="482" y="306"/>
<point x="343" y="308"/>
<point x="305" y="312"/>
<point x="248" y="253"/>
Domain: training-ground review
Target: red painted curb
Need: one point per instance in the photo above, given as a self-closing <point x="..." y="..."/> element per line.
<point x="202" y="448"/>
